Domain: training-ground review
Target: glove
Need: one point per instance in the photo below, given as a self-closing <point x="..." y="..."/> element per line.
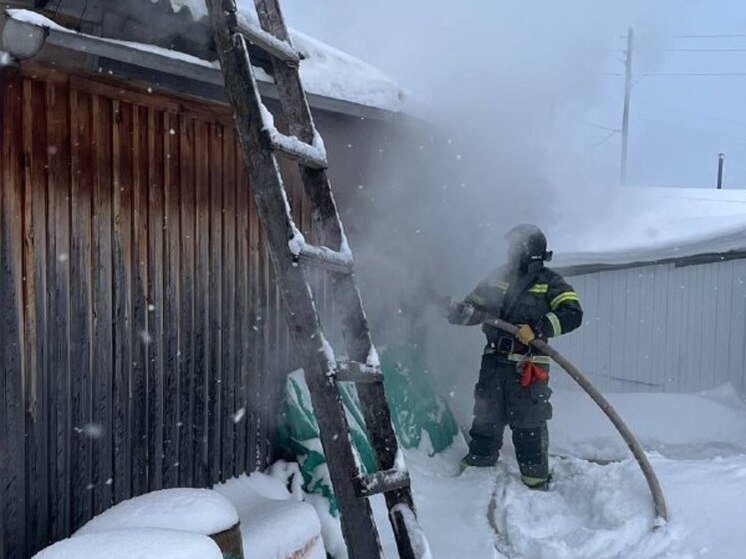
<point x="525" y="334"/>
<point x="458" y="312"/>
<point x="443" y="305"/>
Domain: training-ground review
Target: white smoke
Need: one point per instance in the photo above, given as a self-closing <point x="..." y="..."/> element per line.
<point x="506" y="87"/>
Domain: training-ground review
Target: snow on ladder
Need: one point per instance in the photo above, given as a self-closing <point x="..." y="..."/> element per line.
<point x="259" y="142"/>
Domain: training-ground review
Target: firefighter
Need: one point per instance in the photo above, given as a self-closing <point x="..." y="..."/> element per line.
<point x="513" y="386"/>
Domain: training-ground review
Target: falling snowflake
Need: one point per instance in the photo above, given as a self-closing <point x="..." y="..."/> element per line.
<point x="93" y="430"/>
<point x="239" y="415"/>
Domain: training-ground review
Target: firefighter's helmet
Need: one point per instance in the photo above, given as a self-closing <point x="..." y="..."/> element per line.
<point x="529" y="242"/>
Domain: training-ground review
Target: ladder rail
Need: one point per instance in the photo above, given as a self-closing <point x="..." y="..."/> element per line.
<point x="355" y="329"/>
<point x="358" y="525"/>
<point x="294" y="104"/>
<point x="351" y="488"/>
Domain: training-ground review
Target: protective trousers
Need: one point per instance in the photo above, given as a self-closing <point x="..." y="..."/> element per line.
<point x="500" y="400"/>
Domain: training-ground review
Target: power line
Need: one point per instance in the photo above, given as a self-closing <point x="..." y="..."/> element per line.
<point x="708" y="50"/>
<point x="715" y="36"/>
<point x="606" y="138"/>
<point x="695" y="74"/>
<point x="663" y="122"/>
<point x="599" y="126"/>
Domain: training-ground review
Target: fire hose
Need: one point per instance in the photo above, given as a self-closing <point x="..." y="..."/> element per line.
<point x="659" y="501"/>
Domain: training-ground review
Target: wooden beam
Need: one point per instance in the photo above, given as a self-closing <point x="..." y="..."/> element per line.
<point x="326" y="258"/>
<point x="305" y="154"/>
<point x="351" y="371"/>
<point x="357" y="521"/>
<point x="281" y="50"/>
<point x="356" y="333"/>
<point x="384" y="481"/>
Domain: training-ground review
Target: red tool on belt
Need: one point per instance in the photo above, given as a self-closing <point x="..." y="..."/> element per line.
<point x="532" y="372"/>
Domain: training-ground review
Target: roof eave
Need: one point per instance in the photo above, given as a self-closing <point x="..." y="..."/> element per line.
<point x="197" y="69"/>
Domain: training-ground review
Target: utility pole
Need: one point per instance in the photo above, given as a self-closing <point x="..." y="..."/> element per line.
<point x="721" y="161"/>
<point x="625" y="114"/>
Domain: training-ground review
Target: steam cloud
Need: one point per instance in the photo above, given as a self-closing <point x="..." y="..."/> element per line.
<point x="500" y="83"/>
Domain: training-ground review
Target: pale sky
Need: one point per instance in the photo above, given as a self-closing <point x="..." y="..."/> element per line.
<point x="565" y="54"/>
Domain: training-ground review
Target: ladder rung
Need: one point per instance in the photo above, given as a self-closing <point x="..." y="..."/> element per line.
<point x="268" y="42"/>
<point x="381" y="482"/>
<point x="310" y="156"/>
<point x="352" y="371"/>
<point x="324" y="257"/>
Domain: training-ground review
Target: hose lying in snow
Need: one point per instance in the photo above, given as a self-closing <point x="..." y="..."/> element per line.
<point x="647" y="470"/>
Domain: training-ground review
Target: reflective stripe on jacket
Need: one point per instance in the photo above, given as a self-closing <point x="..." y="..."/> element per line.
<point x="548" y="304"/>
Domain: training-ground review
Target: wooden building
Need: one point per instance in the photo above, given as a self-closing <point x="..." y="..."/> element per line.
<point x="142" y="341"/>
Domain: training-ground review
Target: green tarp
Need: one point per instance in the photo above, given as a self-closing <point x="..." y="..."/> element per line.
<point x="420" y="416"/>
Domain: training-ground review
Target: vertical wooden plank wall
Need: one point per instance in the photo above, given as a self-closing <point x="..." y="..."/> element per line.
<point x="141" y="341"/>
<point x="202" y="138"/>
<point x="37" y="454"/>
<point x="215" y="287"/>
<point x="140" y="314"/>
<point x="171" y="302"/>
<point x="103" y="336"/>
<point x="186" y="311"/>
<point x="58" y="286"/>
<point x="83" y="432"/>
<point x="156" y="226"/>
<point x="12" y="370"/>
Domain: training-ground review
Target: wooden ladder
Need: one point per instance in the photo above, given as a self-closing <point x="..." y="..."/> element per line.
<point x="290" y="254"/>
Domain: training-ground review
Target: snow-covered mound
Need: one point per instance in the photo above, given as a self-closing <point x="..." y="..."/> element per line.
<point x="201" y="511"/>
<point x="140" y="543"/>
<point x="274" y="523"/>
<point x="591" y="512"/>
<point x="674" y="425"/>
<point x="175" y="522"/>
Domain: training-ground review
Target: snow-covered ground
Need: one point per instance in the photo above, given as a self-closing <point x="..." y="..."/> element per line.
<point x="695" y="442"/>
<point x="599" y="511"/>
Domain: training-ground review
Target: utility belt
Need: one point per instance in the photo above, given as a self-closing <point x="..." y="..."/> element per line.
<point x="506" y="344"/>
<point x="513" y="350"/>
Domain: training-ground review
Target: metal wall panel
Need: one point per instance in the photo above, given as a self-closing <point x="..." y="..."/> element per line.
<point x="737" y="359"/>
<point x="661" y="328"/>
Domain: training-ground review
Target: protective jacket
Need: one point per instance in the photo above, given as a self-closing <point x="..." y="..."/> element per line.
<point x="539" y="297"/>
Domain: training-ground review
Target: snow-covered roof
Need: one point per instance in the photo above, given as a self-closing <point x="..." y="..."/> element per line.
<point x="326" y="72"/>
<point x="39" y="20"/>
<point x="650" y="224"/>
